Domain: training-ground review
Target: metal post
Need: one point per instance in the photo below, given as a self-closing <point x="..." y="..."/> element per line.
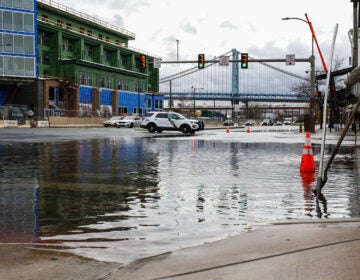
<point x="170" y="105"/>
<point x="355" y="33"/>
<point x="194" y="92"/>
<point x="312" y="92"/>
<point x="194" y="101"/>
<point x="321" y="179"/>
<point x="177" y="50"/>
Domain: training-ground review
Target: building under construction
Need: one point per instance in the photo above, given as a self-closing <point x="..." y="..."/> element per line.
<point x="57" y="59"/>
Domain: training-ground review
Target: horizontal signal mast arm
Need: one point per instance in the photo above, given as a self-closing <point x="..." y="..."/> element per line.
<point x="238" y="60"/>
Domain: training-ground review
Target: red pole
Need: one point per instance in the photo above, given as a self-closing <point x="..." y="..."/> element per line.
<point x="317" y="44"/>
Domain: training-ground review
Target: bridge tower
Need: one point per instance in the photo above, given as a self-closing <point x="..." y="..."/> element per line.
<point x="235" y="73"/>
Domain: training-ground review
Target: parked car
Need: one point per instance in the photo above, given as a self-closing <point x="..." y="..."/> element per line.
<point x="112" y="121"/>
<point x="129" y="121"/>
<point x="267" y="122"/>
<point x="249" y="123"/>
<point x="159" y="121"/>
<point x="287" y="121"/>
<point x="228" y="122"/>
<point x="278" y="123"/>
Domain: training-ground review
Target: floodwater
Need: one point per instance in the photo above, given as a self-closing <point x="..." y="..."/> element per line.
<point x="119" y="195"/>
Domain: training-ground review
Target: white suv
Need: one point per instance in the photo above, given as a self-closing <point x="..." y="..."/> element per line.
<point x="159" y="121"/>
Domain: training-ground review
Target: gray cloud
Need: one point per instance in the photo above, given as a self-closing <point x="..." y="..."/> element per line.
<point x="129" y="7"/>
<point x="228" y="25"/>
<point x="188" y="28"/>
<point x="118" y="20"/>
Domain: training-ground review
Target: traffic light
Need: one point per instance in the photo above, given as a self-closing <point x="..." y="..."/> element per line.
<point x="142" y="61"/>
<point x="201" y="61"/>
<point x="244" y="60"/>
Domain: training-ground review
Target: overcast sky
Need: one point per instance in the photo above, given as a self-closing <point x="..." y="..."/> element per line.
<point x="215" y="27"/>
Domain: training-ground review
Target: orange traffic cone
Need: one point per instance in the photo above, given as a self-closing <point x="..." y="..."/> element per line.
<point x="248" y="130"/>
<point x="307" y="159"/>
<point x="227" y="129"/>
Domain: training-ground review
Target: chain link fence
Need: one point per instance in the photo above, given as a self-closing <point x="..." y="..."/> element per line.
<point x="19" y="113"/>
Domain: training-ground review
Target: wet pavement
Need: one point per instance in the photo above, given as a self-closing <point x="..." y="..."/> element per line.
<point x="118" y="195"/>
<point x="323" y="249"/>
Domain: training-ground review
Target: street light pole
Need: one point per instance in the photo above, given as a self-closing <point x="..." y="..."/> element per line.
<point x="311" y="126"/>
<point x="177" y="50"/>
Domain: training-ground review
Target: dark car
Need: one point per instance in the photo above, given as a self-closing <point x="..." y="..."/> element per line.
<point x="267" y="122"/>
<point x="249" y="123"/>
<point x="228" y="122"/>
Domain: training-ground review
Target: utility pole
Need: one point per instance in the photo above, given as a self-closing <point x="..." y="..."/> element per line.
<point x="355" y="33"/>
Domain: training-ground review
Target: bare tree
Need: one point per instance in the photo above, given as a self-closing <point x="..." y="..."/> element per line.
<point x="305" y="86"/>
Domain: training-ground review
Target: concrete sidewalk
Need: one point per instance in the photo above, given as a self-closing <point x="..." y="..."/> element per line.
<point x="321" y="249"/>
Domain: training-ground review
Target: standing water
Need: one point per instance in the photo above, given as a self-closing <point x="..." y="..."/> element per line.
<point x="124" y="196"/>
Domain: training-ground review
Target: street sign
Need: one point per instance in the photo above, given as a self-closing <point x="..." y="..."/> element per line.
<point x="224" y="60"/>
<point x="290" y="59"/>
<point x="157" y="63"/>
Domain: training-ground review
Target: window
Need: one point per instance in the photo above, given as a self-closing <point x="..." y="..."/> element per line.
<point x="89" y="33"/>
<point x="85" y="79"/>
<point x="81" y="78"/>
<point x="17" y="4"/>
<point x="107" y="38"/>
<point x="120" y="84"/>
<point x="45" y="57"/>
<point x="43" y="39"/>
<point x="139" y="86"/>
<point x="108" y="56"/>
<point x="82" y="30"/>
<point x="7" y="3"/>
<point x="122" y="110"/>
<point x="89" y="50"/>
<point x="8" y="43"/>
<point x="162" y="115"/>
<point x="100" y="36"/>
<point x="67" y="45"/>
<point x="45" y="18"/>
<point x="68" y="26"/>
<point x="7" y="20"/>
<point x="123" y="60"/>
<point x="28" y="23"/>
<point x="137" y="111"/>
<point x="19" y="66"/>
<point x="60" y="23"/>
<point x="108" y="83"/>
<point x="18" y="22"/>
<point x="29" y="45"/>
<point x="19" y="44"/>
<point x="101" y="81"/>
<point x="28" y="4"/>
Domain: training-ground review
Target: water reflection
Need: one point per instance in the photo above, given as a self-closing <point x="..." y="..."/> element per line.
<point x="135" y="197"/>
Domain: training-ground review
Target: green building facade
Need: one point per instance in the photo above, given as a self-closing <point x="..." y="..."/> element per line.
<point x="84" y="63"/>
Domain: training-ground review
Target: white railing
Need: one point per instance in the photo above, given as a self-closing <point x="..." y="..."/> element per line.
<point x="87" y="17"/>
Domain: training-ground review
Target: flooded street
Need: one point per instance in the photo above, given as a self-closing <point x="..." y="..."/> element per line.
<point x="119" y="194"/>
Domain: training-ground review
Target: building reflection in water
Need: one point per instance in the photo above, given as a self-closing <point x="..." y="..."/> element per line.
<point x="55" y="188"/>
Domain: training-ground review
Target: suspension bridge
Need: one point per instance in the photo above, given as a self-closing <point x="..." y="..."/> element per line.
<point x="265" y="80"/>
